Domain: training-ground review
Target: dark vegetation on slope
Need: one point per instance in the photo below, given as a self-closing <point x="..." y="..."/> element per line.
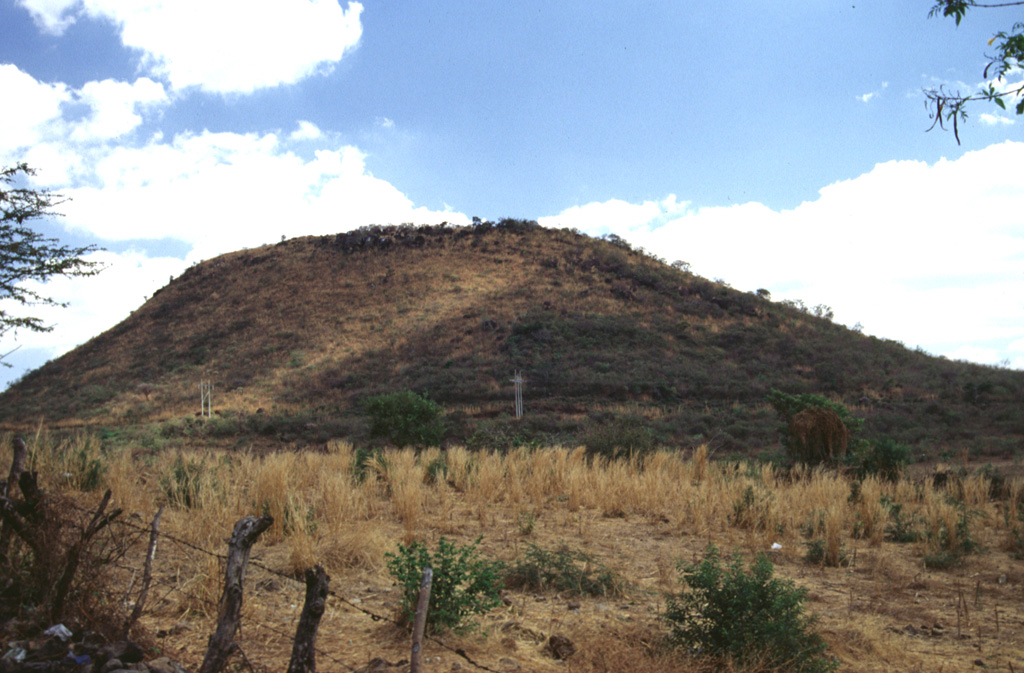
<point x="611" y="341"/>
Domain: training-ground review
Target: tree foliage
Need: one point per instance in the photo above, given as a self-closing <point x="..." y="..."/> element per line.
<point x="405" y="418"/>
<point x="27" y="255"/>
<point x="951" y="106"/>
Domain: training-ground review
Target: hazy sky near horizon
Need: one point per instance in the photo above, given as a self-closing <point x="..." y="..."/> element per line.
<point x="776" y="146"/>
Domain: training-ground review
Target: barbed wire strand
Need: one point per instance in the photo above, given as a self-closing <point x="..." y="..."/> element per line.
<point x="255" y="562"/>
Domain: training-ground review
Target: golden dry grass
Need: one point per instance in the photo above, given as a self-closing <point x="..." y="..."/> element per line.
<point x="882" y="609"/>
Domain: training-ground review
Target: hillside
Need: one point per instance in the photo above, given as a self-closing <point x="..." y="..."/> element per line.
<point x="294" y="336"/>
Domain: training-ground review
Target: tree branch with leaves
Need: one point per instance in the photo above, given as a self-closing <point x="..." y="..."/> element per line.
<point x="27" y="255"/>
<point x="946" y="107"/>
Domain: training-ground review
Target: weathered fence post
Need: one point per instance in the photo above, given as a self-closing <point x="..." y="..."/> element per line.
<point x="7" y="488"/>
<point x="222" y="642"/>
<point x="304" y="650"/>
<point x="147" y="574"/>
<point x="420" y="623"/>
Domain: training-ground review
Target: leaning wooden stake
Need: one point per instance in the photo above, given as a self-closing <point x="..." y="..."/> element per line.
<point x="304" y="650"/>
<point x="222" y="642"/>
<point x="99" y="521"/>
<point x="7" y="488"/>
<point x="420" y="622"/>
<point x="147" y="574"/>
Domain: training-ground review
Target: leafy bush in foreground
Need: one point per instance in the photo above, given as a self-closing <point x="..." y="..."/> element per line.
<point x="464" y="584"/>
<point x="745" y="617"/>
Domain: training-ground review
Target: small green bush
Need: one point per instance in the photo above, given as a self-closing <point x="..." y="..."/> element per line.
<point x="745" y="617"/>
<point x="950" y="548"/>
<point x="622" y="436"/>
<point x="183" y="484"/>
<point x="886" y="458"/>
<point x="86" y="469"/>
<point x="405" y="418"/>
<point x="902" y="528"/>
<point x="818" y="554"/>
<point x="365" y="461"/>
<point x="464" y="584"/>
<point x="565" y="570"/>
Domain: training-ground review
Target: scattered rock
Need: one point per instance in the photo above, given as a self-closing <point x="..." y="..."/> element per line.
<point x="164" y="665"/>
<point x="124" y="651"/>
<point x="560" y="647"/>
<point x="378" y="664"/>
<point x="111" y="665"/>
<point x="509" y="664"/>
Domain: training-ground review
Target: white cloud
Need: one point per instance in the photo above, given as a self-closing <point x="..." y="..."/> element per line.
<point x="223" y="191"/>
<point x="866" y="98"/>
<point x="96" y="303"/>
<point x="994" y="120"/>
<point x="38" y="108"/>
<point x="926" y="254"/>
<point x="227" y="46"/>
<point x="234" y="46"/>
<point x="52" y="16"/>
<point x="306" y="131"/>
<point x="114" y="107"/>
<point x="615" y="216"/>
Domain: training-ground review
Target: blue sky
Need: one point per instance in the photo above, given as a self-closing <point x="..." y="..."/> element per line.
<point x="775" y="148"/>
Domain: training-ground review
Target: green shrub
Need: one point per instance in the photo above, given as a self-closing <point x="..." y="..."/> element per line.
<point x="818" y="554"/>
<point x="363" y="462"/>
<point x="886" y="458"/>
<point x="568" y="571"/>
<point x="405" y="418"/>
<point x="183" y="484"/>
<point x="86" y="469"/>
<point x="950" y="547"/>
<point x="621" y="436"/>
<point x="902" y="528"/>
<point x="747" y="618"/>
<point x="464" y="584"/>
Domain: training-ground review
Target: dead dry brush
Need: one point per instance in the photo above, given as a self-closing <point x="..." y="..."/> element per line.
<point x="344" y="510"/>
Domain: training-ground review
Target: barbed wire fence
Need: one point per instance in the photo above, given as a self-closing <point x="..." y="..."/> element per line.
<point x="292" y="581"/>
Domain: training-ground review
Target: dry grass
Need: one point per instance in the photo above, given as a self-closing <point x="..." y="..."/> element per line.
<point x="638" y="517"/>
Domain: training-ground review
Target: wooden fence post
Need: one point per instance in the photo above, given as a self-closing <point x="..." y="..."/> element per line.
<point x="420" y="623"/>
<point x="7" y="488"/>
<point x="304" y="649"/>
<point x="222" y="642"/>
<point x="147" y="574"/>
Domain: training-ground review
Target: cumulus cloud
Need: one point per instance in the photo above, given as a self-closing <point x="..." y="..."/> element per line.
<point x="219" y="192"/>
<point x="306" y="131"/>
<point x="994" y="120"/>
<point x="38" y="109"/>
<point x="932" y="242"/>
<point x="52" y="16"/>
<point x="115" y="107"/>
<point x="229" y="46"/>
